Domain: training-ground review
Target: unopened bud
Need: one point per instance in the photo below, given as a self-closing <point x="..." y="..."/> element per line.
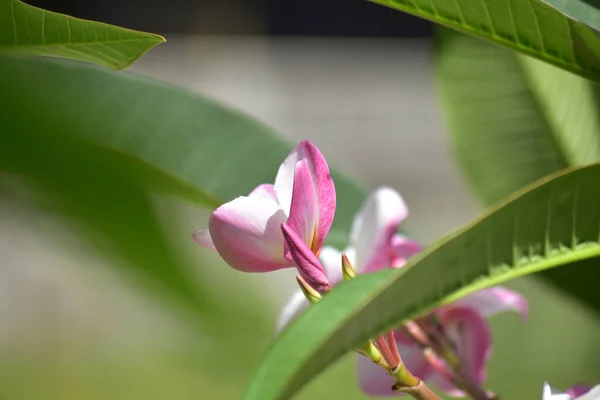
<point x="307" y="263"/>
<point x="347" y="269"/>
<point x="311" y="294"/>
<point x="371" y="351"/>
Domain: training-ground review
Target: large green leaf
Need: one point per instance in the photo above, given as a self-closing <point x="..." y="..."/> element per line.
<point x="31" y="30"/>
<point x="514" y="120"/>
<point x="555" y="223"/>
<point x="586" y="11"/>
<point x="528" y="26"/>
<point x="169" y="138"/>
<point x="98" y="144"/>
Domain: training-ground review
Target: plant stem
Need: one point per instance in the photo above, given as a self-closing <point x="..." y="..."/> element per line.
<point x="419" y="392"/>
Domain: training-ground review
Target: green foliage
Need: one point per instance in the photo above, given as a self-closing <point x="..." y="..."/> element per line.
<point x="100" y="143"/>
<point x="554" y="223"/>
<point x="528" y="26"/>
<point x="30" y="30"/>
<point x="514" y="120"/>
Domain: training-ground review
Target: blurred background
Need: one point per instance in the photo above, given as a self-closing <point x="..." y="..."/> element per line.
<point x="358" y="80"/>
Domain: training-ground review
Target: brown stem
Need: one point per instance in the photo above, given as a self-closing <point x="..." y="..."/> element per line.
<point x="419" y="392"/>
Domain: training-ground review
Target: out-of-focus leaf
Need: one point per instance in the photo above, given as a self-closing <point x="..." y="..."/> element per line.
<point x="169" y="138"/>
<point x="31" y="30"/>
<point x="514" y="120"/>
<point x="527" y="26"/>
<point x="99" y="144"/>
<point x="586" y="11"/>
<point x="551" y="224"/>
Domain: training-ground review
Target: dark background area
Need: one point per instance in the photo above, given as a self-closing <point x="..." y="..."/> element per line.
<point x="268" y="17"/>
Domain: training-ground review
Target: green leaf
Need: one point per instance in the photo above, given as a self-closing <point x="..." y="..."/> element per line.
<point x="586" y="11"/>
<point x="98" y="144"/>
<point x="552" y="224"/>
<point x="171" y="139"/>
<point x="514" y="120"/>
<point x="30" y="30"/>
<point x="528" y="26"/>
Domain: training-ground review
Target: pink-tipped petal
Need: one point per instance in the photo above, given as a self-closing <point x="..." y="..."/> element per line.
<point x="374" y="226"/>
<point x="264" y="190"/>
<point x="403" y="248"/>
<point x="331" y="260"/>
<point x="294" y="307"/>
<point x="304" y="212"/>
<point x="307" y="263"/>
<point x="495" y="300"/>
<point x="324" y="186"/>
<point x="577" y="390"/>
<point x="247" y="234"/>
<point x="471" y="334"/>
<point x="375" y="382"/>
<point x="202" y="237"/>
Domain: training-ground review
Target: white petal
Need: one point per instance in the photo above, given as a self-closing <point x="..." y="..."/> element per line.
<point x="553" y="394"/>
<point x="593" y="394"/>
<point x="284" y="181"/>
<point x="294" y="307"/>
<point x="331" y="260"/>
<point x="375" y="224"/>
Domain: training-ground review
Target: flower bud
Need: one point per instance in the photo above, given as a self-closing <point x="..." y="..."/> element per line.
<point x="307" y="263"/>
<point x="347" y="269"/>
<point x="311" y="294"/>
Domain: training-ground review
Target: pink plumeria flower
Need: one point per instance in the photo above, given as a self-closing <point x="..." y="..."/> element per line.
<point x="375" y="245"/>
<point x="247" y="231"/>
<point x="577" y="392"/>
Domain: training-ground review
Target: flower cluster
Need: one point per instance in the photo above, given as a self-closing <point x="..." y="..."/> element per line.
<point x="285" y="224"/>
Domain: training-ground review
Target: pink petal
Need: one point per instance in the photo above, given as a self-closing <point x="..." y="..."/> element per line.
<point x="247" y="234"/>
<point x="331" y="260"/>
<point x="471" y="334"/>
<point x="403" y="249"/>
<point x="202" y="237"/>
<point x="304" y="211"/>
<point x="488" y="302"/>
<point x="374" y="226"/>
<point x="324" y="187"/>
<point x="577" y="390"/>
<point x="265" y="189"/>
<point x="294" y="307"/>
<point x="375" y="382"/>
<point x="306" y="261"/>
